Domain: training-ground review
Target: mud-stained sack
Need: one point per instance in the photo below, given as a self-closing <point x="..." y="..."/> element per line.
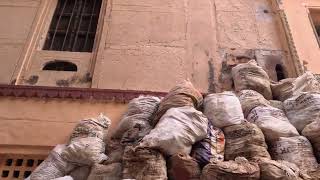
<point x="249" y="99"/>
<point x="106" y="172"/>
<point x="146" y="105"/>
<point x="245" y="140"/>
<point x="251" y="76"/>
<point x="270" y="170"/>
<point x="303" y="109"/>
<point x="277" y="104"/>
<point x="80" y="173"/>
<point x="184" y="94"/>
<point x="290" y="87"/>
<point x="54" y="166"/>
<point x="86" y="145"/>
<point x="182" y="166"/>
<point x="312" y="132"/>
<point x="177" y="130"/>
<point x="239" y="169"/>
<point x="211" y="148"/>
<point x="114" y="151"/>
<point x="64" y="178"/>
<point x="297" y="150"/>
<point x="223" y="109"/>
<point x="143" y="164"/>
<point x="273" y="123"/>
<point x="140" y="113"/>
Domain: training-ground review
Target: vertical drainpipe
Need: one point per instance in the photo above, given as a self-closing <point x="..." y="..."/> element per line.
<point x="288" y="35"/>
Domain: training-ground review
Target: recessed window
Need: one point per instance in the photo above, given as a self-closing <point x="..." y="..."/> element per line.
<point x="73" y="26"/>
<point x="314" y="17"/>
<point x="60" y="66"/>
<point x="280" y="72"/>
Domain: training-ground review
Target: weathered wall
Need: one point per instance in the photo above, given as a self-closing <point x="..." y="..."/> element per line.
<point x="16" y="19"/>
<point x="302" y="32"/>
<point x="41" y="122"/>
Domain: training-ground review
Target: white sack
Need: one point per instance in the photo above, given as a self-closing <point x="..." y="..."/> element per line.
<point x="177" y="130"/>
<point x="273" y="122"/>
<point x="223" y="109"/>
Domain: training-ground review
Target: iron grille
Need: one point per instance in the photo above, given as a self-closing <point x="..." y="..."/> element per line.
<point x="73" y="26"/>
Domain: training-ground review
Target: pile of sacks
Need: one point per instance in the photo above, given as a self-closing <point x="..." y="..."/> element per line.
<point x="264" y="130"/>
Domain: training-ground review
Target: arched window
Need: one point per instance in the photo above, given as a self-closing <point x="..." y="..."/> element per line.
<point x="60" y="66"/>
<point x="279" y="71"/>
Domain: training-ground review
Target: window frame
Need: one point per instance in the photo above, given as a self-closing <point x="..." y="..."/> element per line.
<point x="317" y="36"/>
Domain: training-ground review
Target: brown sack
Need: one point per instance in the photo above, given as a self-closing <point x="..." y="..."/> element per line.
<point x="297" y="150"/>
<point x="312" y="132"/>
<point x="105" y="172"/>
<point x="143" y="164"/>
<point x="183" y="167"/>
<point x="240" y="169"/>
<point x="184" y="94"/>
<point x="250" y="99"/>
<point x="251" y="76"/>
<point x="245" y="140"/>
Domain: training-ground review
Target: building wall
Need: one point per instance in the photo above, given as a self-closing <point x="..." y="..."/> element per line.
<point x="17" y="18"/>
<point x="140" y="45"/>
<point x="302" y="32"/>
<point x="35" y="122"/>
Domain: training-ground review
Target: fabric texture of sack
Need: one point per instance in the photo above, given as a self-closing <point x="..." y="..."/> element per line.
<point x="177" y="130"/>
<point x="184" y="94"/>
<point x="271" y="170"/>
<point x="54" y="166"/>
<point x="106" y="172"/>
<point x="114" y="151"/>
<point x="223" y="109"/>
<point x="297" y="150"/>
<point x="288" y="88"/>
<point x="277" y="104"/>
<point x="312" y="132"/>
<point x="245" y="140"/>
<point x="182" y="166"/>
<point x="251" y="76"/>
<point x="239" y="169"/>
<point x="86" y="145"/>
<point x="303" y="109"/>
<point x="250" y="99"/>
<point x="210" y="149"/>
<point x="140" y="113"/>
<point x="80" y="173"/>
<point x="273" y="123"/>
<point x="143" y="164"/>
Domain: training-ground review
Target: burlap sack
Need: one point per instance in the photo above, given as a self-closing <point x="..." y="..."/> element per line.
<point x="297" y="150"/>
<point x="245" y="140"/>
<point x="54" y="166"/>
<point x="312" y="132"/>
<point x="288" y="88"/>
<point x="273" y="123"/>
<point x="239" y="169"/>
<point x="277" y="104"/>
<point x="251" y="76"/>
<point x="80" y="173"/>
<point x="223" y="109"/>
<point x="249" y="99"/>
<point x="303" y="109"/>
<point x="114" y="151"/>
<point x="182" y="166"/>
<point x="177" y="130"/>
<point x="211" y="148"/>
<point x="271" y="170"/>
<point x="140" y="113"/>
<point x="184" y="94"/>
<point x="106" y="172"/>
<point x="86" y="145"/>
<point x="143" y="164"/>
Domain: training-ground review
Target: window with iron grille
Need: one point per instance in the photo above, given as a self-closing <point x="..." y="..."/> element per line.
<point x="73" y="26"/>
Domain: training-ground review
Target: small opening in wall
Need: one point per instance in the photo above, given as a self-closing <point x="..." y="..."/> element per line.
<point x="26" y="174"/>
<point x="9" y="162"/>
<point x="16" y="174"/>
<point x="5" y="174"/>
<point x="58" y="65"/>
<point x="30" y="162"/>
<point x="280" y="72"/>
<point x="314" y="17"/>
<point x="19" y="162"/>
